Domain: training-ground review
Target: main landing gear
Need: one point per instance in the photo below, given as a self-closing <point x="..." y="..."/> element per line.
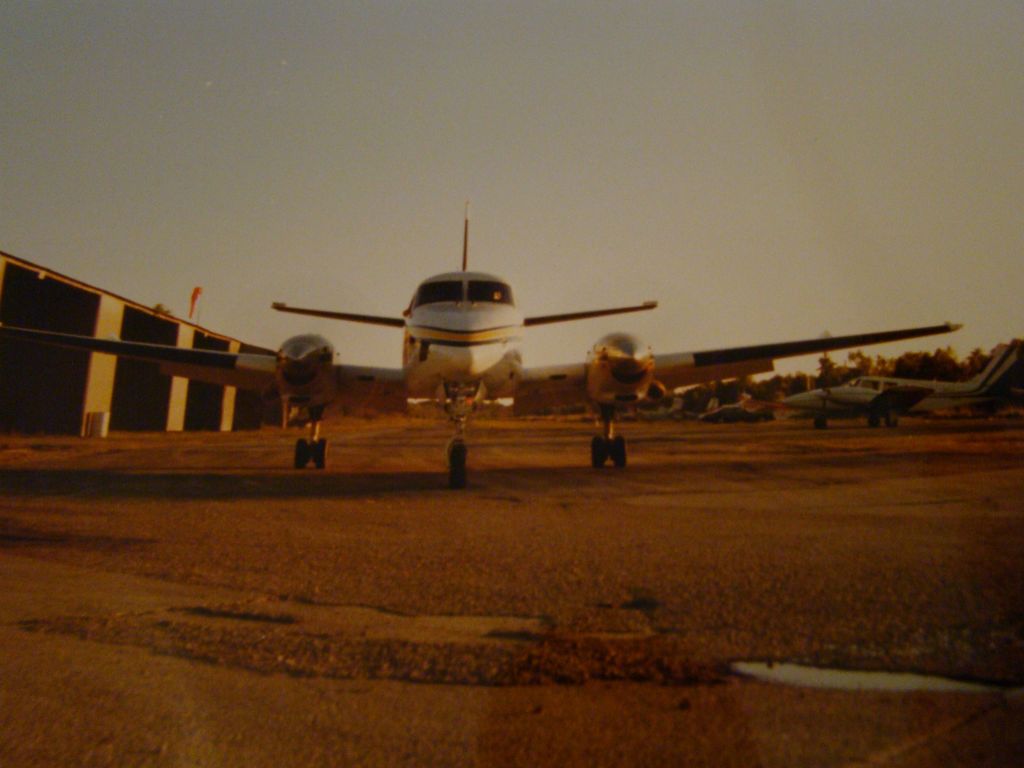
<point x="877" y="417"/>
<point x="608" y="445"/>
<point x="314" y="449"/>
<point x="458" y="404"/>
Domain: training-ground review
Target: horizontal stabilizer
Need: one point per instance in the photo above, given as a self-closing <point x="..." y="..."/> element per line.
<point x="393" y="322"/>
<point x="545" y="319"/>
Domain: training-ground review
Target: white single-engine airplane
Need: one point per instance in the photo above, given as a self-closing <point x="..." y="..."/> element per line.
<point x="462" y="345"/>
<point x="884" y="398"/>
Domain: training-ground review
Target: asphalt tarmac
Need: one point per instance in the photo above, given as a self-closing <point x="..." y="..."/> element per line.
<point x="189" y="599"/>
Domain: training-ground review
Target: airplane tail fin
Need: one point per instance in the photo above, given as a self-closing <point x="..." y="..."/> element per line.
<point x="465" y="240"/>
<point x="1003" y="374"/>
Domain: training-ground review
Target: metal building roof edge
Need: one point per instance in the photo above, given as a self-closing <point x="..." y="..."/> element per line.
<point x="128" y="302"/>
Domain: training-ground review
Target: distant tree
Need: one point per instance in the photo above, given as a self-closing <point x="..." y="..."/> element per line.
<point x="797" y="383"/>
<point x="975" y="363"/>
<point x="859" y="363"/>
<point x="829" y="375"/>
<point x="939" y="365"/>
<point x="163" y="309"/>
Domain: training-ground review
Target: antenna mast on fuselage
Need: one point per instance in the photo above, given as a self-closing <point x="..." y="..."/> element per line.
<point x="465" y="240"/>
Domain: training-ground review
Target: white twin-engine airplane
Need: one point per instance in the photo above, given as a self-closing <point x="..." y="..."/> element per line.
<point x="462" y="345"/>
<point x="884" y="398"/>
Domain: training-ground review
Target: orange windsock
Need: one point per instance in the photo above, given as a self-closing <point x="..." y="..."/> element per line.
<point x="196" y="293"/>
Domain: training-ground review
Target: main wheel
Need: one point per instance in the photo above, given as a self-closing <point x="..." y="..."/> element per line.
<point x="457" y="465"/>
<point x="319" y="451"/>
<point x="617" y="451"/>
<point x="302" y="453"/>
<point x="891" y="420"/>
<point x="873" y="420"/>
<point x="598" y="452"/>
<point x="820" y="422"/>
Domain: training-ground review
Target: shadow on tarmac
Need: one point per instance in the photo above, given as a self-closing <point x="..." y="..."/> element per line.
<point x="241" y="484"/>
<point x="264" y="484"/>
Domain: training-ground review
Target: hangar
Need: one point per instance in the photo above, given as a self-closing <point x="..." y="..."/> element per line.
<point x="52" y="390"/>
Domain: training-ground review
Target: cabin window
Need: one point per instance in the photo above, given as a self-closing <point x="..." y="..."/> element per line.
<point x="490" y="291"/>
<point x="435" y="293"/>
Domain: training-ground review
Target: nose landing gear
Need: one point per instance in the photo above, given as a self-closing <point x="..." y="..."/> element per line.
<point x="458" y="404"/>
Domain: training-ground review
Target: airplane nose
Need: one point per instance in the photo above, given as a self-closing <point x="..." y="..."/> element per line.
<point x="803" y="399"/>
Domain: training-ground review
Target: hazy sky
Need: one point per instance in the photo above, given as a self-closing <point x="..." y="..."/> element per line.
<point x="766" y="171"/>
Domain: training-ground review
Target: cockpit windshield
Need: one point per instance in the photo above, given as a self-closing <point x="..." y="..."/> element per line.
<point x="435" y="293"/>
<point x="489" y="291"/>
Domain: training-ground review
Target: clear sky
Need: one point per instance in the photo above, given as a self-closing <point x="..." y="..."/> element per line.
<point x="766" y="171"/>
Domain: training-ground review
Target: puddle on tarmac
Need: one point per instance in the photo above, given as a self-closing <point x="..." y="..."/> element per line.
<point x="845" y="680"/>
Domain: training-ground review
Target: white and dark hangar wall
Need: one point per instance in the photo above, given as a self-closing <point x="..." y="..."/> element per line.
<point x="47" y="389"/>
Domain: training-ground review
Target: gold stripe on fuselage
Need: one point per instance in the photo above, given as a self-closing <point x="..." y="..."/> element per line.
<point x="489" y="336"/>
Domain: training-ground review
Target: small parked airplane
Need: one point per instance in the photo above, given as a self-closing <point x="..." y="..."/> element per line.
<point x="884" y="398"/>
<point x="462" y="334"/>
<point x="747" y="409"/>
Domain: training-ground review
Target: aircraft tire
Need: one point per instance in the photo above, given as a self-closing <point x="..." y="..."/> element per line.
<point x="873" y="420"/>
<point x="457" y="465"/>
<point x="617" y="451"/>
<point x="892" y="420"/>
<point x="598" y="452"/>
<point x="820" y="422"/>
<point x="302" y="453"/>
<point x="319" y="451"/>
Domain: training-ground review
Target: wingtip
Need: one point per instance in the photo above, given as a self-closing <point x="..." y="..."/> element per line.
<point x="954" y="326"/>
<point x="650" y="303"/>
<point x="278" y="305"/>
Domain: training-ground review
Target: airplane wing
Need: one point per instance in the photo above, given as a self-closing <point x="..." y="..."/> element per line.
<point x="233" y="369"/>
<point x="545" y="319"/>
<point x="565" y="385"/>
<point x="687" y="368"/>
<point x="901" y="398"/>
<point x="363" y="389"/>
<point x="394" y="322"/>
<point x="550" y="386"/>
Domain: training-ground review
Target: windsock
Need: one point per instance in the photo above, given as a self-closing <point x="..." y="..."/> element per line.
<point x="196" y="293"/>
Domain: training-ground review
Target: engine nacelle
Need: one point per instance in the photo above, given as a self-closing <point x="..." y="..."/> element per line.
<point x="620" y="369"/>
<point x="305" y="371"/>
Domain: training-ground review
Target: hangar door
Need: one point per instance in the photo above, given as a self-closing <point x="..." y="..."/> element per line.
<point x="205" y="401"/>
<point x="42" y="389"/>
<point x="141" y="393"/>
